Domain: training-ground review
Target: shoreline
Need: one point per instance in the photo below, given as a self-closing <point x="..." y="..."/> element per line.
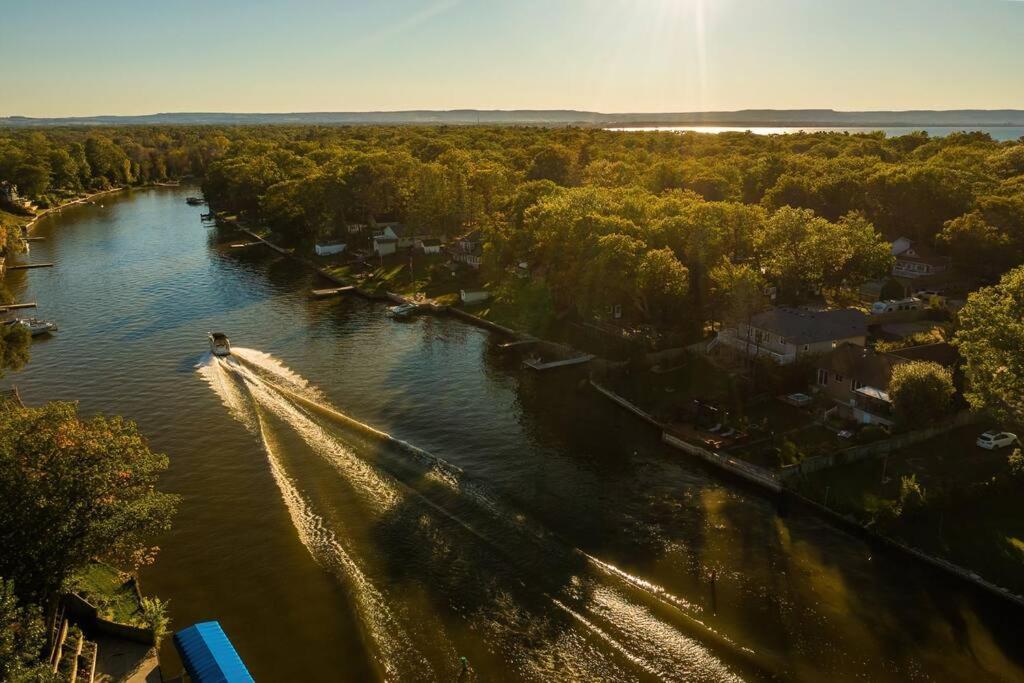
<point x="27" y="227"/>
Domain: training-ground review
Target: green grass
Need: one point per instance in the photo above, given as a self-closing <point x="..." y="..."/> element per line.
<point x="110" y="592"/>
<point x="984" y="532"/>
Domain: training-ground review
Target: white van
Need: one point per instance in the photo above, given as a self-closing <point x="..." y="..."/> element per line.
<point x="892" y="305"/>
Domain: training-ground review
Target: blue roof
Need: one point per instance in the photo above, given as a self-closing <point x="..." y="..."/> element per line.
<point x="209" y="656"/>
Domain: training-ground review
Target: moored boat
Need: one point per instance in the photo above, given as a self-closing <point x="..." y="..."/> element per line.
<point x="35" y="326"/>
<point x="402" y="311"/>
<point x="219" y="344"/>
<point x="194" y="201"/>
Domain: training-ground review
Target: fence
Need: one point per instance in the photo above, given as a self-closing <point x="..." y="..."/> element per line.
<point x="876" y="449"/>
<point x="752" y="473"/>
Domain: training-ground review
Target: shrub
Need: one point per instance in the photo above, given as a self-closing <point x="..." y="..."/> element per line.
<point x="913" y="498"/>
<point x="154" y="613"/>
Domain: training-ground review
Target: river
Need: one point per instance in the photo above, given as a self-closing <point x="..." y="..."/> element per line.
<point x="525" y="524"/>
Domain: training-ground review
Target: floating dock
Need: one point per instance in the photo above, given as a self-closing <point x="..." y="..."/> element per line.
<point x="537" y="364"/>
<point x="12" y="307"/>
<point x="323" y="293"/>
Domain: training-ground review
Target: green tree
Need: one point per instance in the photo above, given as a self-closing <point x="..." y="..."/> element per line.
<point x="976" y="245"/>
<point x="72" y="490"/>
<point x="990" y="339"/>
<point x="661" y="283"/>
<point x="921" y="392"/>
<point x="554" y="163"/>
<point x="22" y="639"/>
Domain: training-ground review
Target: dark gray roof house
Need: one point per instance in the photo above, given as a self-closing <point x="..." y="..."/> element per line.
<point x="800" y="326"/>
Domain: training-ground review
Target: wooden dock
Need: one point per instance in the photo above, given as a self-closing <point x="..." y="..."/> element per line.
<point x="280" y="250"/>
<point x="27" y="266"/>
<point x="12" y="307"/>
<point x="537" y="364"/>
<point x="34" y="239"/>
<point x="243" y="245"/>
<point x="323" y="293"/>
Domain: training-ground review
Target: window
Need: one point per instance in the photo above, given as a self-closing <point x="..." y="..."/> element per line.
<point x="822" y="377"/>
<point x="807" y="347"/>
<point x="838" y="377"/>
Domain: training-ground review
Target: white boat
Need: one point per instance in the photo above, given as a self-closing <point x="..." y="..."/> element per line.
<point x="402" y="310"/>
<point x="35" y="326"/>
<point x="219" y="344"/>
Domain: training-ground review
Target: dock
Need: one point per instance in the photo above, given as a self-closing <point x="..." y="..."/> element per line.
<point x="27" y="266"/>
<point x="280" y="250"/>
<point x="33" y="239"/>
<point x="537" y="364"/>
<point x="12" y="307"/>
<point x="243" y="245"/>
<point x="323" y="293"/>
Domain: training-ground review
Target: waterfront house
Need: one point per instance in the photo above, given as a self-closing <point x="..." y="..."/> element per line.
<point x="784" y="334"/>
<point x="857" y="379"/>
<point x="914" y="260"/>
<point x="469" y="249"/>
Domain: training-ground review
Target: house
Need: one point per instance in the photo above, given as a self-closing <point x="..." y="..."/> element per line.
<point x="857" y="378"/>
<point x="783" y="334"/>
<point x="469" y="249"/>
<point x="404" y="236"/>
<point x="429" y="245"/>
<point x="914" y="260"/>
<point x="328" y="248"/>
<point x="9" y="196"/>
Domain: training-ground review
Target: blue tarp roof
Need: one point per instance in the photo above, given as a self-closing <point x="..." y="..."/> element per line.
<point x="209" y="656"/>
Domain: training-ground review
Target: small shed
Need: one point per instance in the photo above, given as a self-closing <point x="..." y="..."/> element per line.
<point x="208" y="655"/>
<point x="473" y="296"/>
<point x="328" y="248"/>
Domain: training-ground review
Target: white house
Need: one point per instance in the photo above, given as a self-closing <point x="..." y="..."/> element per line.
<point x="469" y="249"/>
<point x="328" y="248"/>
<point x="916" y="261"/>
<point x="784" y="334"/>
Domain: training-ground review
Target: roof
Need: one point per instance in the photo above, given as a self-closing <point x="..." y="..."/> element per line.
<point x="799" y="326"/>
<point x="381" y="238"/>
<point x="208" y="655"/>
<point x="862" y="364"/>
<point x="919" y="253"/>
<point x="875" y="369"/>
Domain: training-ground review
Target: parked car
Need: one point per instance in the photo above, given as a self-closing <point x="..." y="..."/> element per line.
<point x="992" y="440"/>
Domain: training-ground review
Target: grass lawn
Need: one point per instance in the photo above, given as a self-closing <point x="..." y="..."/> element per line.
<point x="107" y="590"/>
<point x="984" y="533"/>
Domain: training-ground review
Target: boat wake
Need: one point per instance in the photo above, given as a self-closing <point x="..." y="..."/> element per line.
<point x="603" y="622"/>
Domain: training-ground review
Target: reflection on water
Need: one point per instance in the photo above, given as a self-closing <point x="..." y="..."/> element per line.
<point x="515" y="520"/>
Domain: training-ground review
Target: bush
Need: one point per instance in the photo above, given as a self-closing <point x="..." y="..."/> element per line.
<point x="789" y="453"/>
<point x="154" y="613"/>
<point x="1015" y="465"/>
<point x="913" y="498"/>
<point x="870" y="434"/>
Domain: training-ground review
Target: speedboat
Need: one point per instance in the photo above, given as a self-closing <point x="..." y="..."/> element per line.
<point x="35" y="326"/>
<point x="219" y="344"/>
<point x="402" y="311"/>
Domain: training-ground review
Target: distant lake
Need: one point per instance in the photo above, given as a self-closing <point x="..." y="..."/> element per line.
<point x="1001" y="133"/>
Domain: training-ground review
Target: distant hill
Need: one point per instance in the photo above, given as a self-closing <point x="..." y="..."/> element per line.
<point x="558" y="117"/>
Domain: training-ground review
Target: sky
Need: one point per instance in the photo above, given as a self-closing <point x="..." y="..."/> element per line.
<point x="79" y="58"/>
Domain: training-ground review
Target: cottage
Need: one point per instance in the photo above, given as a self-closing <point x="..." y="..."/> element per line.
<point x="469" y="249"/>
<point x="857" y="379"/>
<point x="784" y="334"/>
<point x="328" y="248"/>
<point x="429" y="245"/>
<point x="914" y="260"/>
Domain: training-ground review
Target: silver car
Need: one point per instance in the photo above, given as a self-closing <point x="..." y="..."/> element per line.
<point x="993" y="440"/>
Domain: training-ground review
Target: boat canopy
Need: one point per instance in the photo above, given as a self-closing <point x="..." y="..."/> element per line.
<point x="208" y="655"/>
